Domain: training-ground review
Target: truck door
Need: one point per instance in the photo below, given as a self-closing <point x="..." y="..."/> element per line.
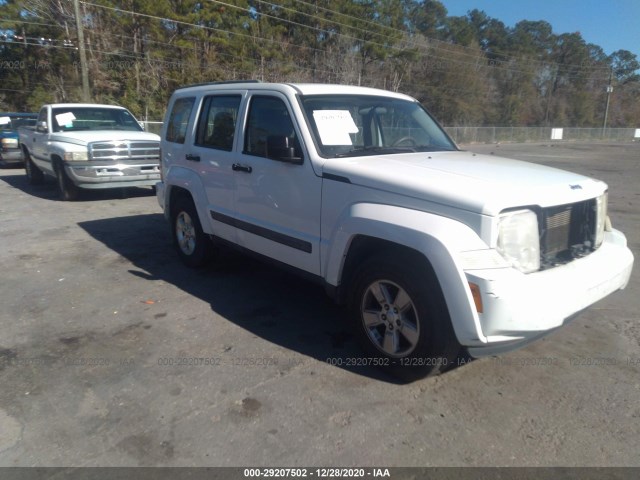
<point x="38" y="142"/>
<point x="277" y="196"/>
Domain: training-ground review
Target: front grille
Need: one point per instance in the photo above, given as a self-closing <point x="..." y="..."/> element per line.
<point x="567" y="232"/>
<point x="124" y="150"/>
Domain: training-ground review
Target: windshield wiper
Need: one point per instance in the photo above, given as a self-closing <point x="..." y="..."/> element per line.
<point x="362" y="151"/>
<point x="432" y="148"/>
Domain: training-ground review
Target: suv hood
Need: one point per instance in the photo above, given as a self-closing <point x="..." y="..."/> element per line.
<point x="479" y="183"/>
<point x="83" y="137"/>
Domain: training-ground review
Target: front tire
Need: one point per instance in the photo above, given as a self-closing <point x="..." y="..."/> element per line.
<point x="34" y="174"/>
<point x="400" y="318"/>
<point x="193" y="246"/>
<point x="67" y="190"/>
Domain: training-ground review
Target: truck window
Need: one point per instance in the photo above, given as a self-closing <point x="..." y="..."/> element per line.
<point x="217" y="123"/>
<point x="268" y="117"/>
<point x="66" y="119"/>
<point x="42" y="117"/>
<point x="179" y="119"/>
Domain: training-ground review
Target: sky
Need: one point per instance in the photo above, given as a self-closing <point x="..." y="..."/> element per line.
<point x="610" y="24"/>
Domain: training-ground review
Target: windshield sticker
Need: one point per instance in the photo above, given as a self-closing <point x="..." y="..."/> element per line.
<point x="334" y="126"/>
<point x="65" y="119"/>
<point x="5" y="120"/>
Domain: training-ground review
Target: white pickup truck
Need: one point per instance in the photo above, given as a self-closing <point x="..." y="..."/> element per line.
<point x="432" y="248"/>
<point x="89" y="146"/>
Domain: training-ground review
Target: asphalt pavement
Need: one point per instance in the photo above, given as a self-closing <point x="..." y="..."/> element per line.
<point x="112" y="353"/>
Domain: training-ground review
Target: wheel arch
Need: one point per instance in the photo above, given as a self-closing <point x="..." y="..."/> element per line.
<point x="363" y="247"/>
<point x="176" y="192"/>
<point x="56" y="161"/>
<point x="184" y="182"/>
<point x="35" y="175"/>
<point x="432" y="241"/>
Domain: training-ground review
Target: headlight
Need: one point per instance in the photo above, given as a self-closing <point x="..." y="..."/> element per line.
<point x="519" y="240"/>
<point x="601" y="217"/>
<point x="76" y="156"/>
<point x="9" y="143"/>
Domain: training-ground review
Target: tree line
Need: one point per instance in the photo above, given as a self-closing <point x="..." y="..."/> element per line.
<point x="468" y="70"/>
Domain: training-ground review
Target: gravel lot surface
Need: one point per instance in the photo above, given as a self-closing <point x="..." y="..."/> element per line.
<point x="100" y="325"/>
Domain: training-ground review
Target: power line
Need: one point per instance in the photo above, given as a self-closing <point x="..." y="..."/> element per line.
<point x="507" y="57"/>
<point x="474" y="63"/>
<point x="432" y="43"/>
<point x="477" y="63"/>
<point x="179" y="22"/>
<point x="24" y="22"/>
<point x="447" y="49"/>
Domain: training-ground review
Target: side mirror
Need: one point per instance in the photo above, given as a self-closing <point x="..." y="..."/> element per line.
<point x="281" y="148"/>
<point x="41" y="127"/>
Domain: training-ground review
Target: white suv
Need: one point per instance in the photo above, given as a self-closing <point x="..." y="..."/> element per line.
<point x="432" y="248"/>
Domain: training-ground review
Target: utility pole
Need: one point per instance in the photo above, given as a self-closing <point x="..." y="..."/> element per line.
<point x="84" y="71"/>
<point x="606" y="109"/>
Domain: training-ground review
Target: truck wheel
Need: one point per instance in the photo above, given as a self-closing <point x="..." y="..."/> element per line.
<point x="194" y="247"/>
<point x="400" y="317"/>
<point x="66" y="188"/>
<point x="34" y="174"/>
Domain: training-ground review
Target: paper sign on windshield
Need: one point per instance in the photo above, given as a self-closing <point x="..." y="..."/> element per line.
<point x="5" y="120"/>
<point x="65" y="119"/>
<point x="334" y="126"/>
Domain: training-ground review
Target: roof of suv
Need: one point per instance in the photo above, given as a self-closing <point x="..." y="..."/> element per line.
<point x="299" y="88"/>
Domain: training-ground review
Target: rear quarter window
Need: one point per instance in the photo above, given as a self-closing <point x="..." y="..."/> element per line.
<point x="179" y="120"/>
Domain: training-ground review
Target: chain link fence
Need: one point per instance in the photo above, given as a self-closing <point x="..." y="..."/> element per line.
<point x="153" y="127"/>
<point x="464" y="135"/>
<point x="540" y="134"/>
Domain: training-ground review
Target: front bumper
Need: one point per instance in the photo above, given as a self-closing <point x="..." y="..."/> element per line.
<point x="160" y="194"/>
<point x="11" y="156"/>
<point x="519" y="308"/>
<point x="113" y="175"/>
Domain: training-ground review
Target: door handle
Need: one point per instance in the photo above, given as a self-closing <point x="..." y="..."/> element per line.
<point x="192" y="158"/>
<point x="236" y="167"/>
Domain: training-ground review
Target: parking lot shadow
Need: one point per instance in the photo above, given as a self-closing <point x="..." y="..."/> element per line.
<point x="48" y="190"/>
<point x="268" y="302"/>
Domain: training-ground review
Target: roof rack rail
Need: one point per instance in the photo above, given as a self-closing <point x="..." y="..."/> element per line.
<point x="225" y="82"/>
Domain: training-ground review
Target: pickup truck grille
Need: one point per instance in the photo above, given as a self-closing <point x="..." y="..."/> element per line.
<point x="567" y="232"/>
<point x="125" y="150"/>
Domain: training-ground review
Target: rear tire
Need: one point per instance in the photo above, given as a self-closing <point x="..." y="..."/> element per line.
<point x="193" y="246"/>
<point x="400" y="318"/>
<point x="67" y="190"/>
<point x="34" y="174"/>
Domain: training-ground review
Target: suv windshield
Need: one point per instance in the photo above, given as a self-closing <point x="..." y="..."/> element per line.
<point x="357" y="125"/>
<point x="93" y="118"/>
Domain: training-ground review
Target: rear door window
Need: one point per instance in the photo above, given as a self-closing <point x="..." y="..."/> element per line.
<point x="218" y="120"/>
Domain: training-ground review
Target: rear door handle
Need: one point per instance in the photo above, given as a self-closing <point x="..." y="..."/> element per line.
<point x="192" y="158"/>
<point x="236" y="167"/>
